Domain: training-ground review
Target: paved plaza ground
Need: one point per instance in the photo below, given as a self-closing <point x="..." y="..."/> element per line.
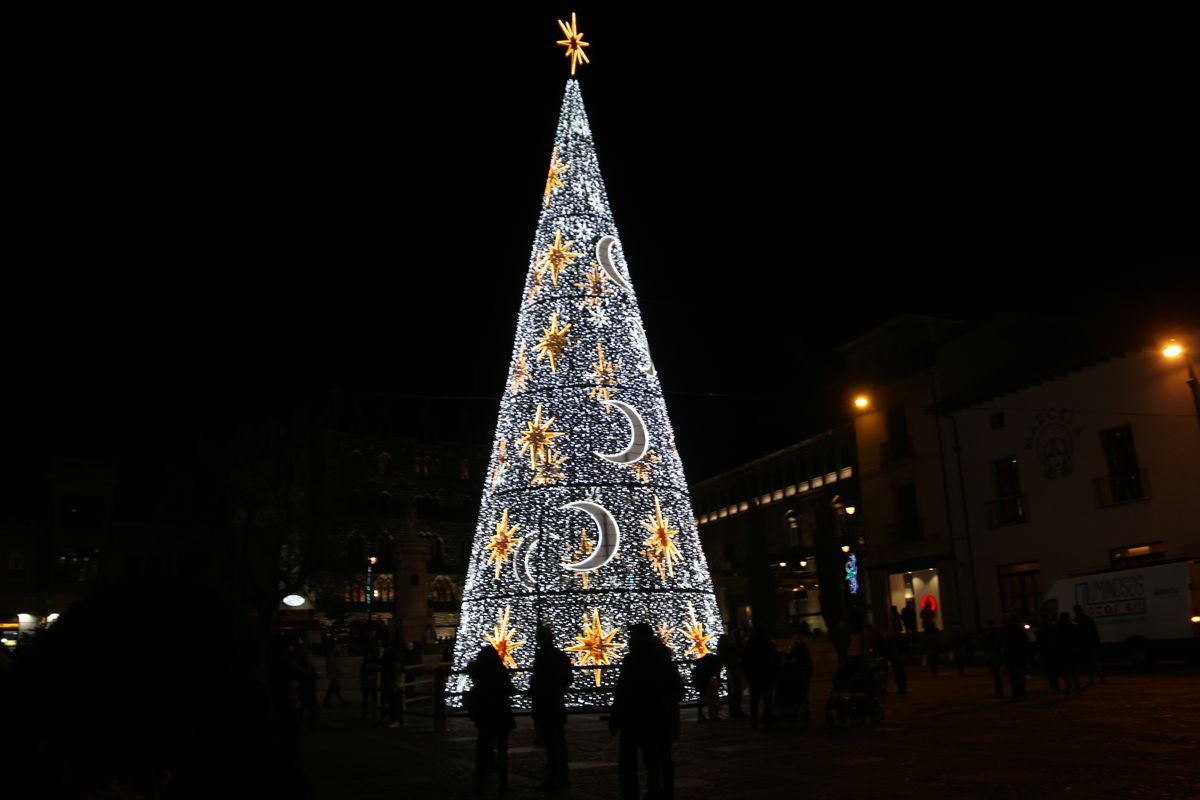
<point x="1138" y="736"/>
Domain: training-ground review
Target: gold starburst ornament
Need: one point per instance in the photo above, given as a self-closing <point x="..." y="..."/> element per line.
<point x="558" y="256"/>
<point x="595" y="645"/>
<point x="503" y="542"/>
<point x="699" y="640"/>
<point x="553" y="342"/>
<point x="552" y="180"/>
<point x="660" y="547"/>
<point x="536" y="437"/>
<point x="502" y="639"/>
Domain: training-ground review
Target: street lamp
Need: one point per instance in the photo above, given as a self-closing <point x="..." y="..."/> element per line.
<point x="370" y="583"/>
<point x="1173" y="350"/>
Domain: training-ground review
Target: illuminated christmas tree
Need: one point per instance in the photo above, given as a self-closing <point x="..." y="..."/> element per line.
<point x="585" y="523"/>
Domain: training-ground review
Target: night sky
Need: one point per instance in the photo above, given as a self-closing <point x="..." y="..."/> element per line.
<point x="214" y="205"/>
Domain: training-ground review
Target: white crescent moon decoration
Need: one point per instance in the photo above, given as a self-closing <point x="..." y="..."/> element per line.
<point x="639" y="442"/>
<point x="608" y="537"/>
<point x="604" y="256"/>
<point x="524" y="566"/>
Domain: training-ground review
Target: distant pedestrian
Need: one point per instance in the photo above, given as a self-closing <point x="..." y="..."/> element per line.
<point x="1016" y="656"/>
<point x="389" y="682"/>
<point x="1067" y="636"/>
<point x="898" y="658"/>
<point x="993" y="653"/>
<point x="333" y="674"/>
<point x="306" y="683"/>
<point x="645" y="712"/>
<point x="548" y="684"/>
<point x="933" y="647"/>
<point x="909" y="617"/>
<point x="706" y="679"/>
<point x="729" y="650"/>
<point x="760" y="661"/>
<point x="368" y="680"/>
<point x="958" y="647"/>
<point x="928" y="613"/>
<point x="490" y="708"/>
<point x="1089" y="647"/>
<point x="795" y="677"/>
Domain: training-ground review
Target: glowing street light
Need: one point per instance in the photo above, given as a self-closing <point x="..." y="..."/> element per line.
<point x="862" y="402"/>
<point x="1173" y="350"/>
<point x="370" y="583"/>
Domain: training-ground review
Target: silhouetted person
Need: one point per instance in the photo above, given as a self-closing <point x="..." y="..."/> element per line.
<point x="993" y="653"/>
<point x="389" y="681"/>
<point x="898" y="658"/>
<point x="908" y="615"/>
<point x="933" y="647"/>
<point x="645" y="711"/>
<point x="1089" y="646"/>
<point x="1050" y="653"/>
<point x="729" y="650"/>
<point x="1016" y="656"/>
<point x="490" y="709"/>
<point x="411" y="672"/>
<point x="706" y="678"/>
<point x="760" y="660"/>
<point x="795" y="677"/>
<point x="368" y="680"/>
<point x="548" y="684"/>
<point x="333" y="673"/>
<point x="306" y="683"/>
<point x="959" y="646"/>
<point x="1067" y="638"/>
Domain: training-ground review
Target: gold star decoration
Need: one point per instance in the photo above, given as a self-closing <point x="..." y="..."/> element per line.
<point x="520" y="372"/>
<point x="536" y="437"/>
<point x="503" y="542"/>
<point x="558" y="256"/>
<point x="502" y="639"/>
<point x="665" y="634"/>
<point x="547" y="469"/>
<point x="642" y="469"/>
<point x="574" y="43"/>
<point x="553" y="342"/>
<point x="595" y="646"/>
<point x="552" y="179"/>
<point x="501" y="461"/>
<point x="585" y="547"/>
<point x="696" y="635"/>
<point x="604" y="376"/>
<point x="537" y="285"/>
<point x="660" y="547"/>
<point x="595" y="285"/>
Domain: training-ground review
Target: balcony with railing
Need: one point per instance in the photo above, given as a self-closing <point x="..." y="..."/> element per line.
<point x="1009" y="509"/>
<point x="904" y="532"/>
<point x="894" y="449"/>
<point x="1120" y="488"/>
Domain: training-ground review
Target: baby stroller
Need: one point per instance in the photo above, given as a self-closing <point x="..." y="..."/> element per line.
<point x="853" y="699"/>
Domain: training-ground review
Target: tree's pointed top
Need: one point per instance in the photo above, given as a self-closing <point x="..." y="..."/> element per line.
<point x="574" y="43"/>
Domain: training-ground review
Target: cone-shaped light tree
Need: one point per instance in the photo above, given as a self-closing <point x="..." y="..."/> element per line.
<point x="585" y="524"/>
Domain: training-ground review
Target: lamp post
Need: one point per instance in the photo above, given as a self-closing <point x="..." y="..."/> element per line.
<point x="1173" y="350"/>
<point x="370" y="584"/>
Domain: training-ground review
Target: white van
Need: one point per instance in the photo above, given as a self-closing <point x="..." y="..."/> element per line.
<point x="1142" y="613"/>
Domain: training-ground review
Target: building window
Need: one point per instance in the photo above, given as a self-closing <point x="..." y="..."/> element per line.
<point x="1125" y="480"/>
<point x="897" y="445"/>
<point x="907" y="527"/>
<point x="1009" y="506"/>
<point x="83" y="512"/>
<point x="1137" y="555"/>
<point x="78" y="566"/>
<point x="1020" y="588"/>
<point x="16" y="562"/>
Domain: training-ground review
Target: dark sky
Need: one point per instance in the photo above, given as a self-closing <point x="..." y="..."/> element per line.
<point x="214" y="203"/>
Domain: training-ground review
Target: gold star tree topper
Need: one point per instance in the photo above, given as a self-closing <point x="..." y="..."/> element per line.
<point x="502" y="639"/>
<point x="696" y="635"/>
<point x="536" y="437"/>
<point x="558" y="256"/>
<point x="503" y="542"/>
<point x="595" y="646"/>
<point x="574" y="43"/>
<point x="660" y="547"/>
<point x="554" y="342"/>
